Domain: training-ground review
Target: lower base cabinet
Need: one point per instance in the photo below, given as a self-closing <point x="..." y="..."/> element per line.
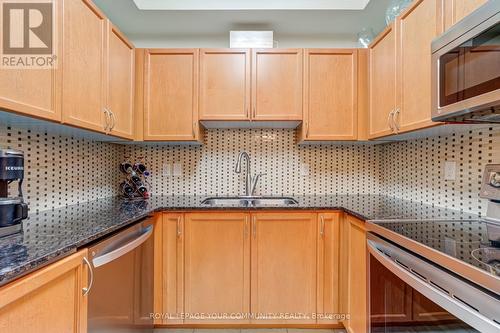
<point x="49" y="300"/>
<point x="265" y="268"/>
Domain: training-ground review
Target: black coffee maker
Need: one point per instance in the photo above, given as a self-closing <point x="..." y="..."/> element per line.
<point x="12" y="209"/>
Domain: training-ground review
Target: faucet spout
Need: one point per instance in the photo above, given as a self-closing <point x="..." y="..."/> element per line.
<point x="248" y="178"/>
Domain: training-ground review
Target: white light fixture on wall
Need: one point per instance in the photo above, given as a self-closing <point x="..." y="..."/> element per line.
<point x="251" y="39"/>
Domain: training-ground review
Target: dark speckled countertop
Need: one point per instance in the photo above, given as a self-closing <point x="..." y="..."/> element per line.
<point x="53" y="234"/>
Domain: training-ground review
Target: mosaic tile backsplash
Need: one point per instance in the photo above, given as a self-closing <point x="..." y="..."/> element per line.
<point x="64" y="170"/>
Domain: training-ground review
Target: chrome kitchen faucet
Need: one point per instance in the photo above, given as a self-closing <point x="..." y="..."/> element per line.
<point x="250" y="181"/>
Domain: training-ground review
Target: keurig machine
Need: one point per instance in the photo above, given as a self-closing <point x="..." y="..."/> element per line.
<point x="12" y="209"/>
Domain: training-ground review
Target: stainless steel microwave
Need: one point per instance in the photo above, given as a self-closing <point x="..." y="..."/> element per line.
<point x="466" y="69"/>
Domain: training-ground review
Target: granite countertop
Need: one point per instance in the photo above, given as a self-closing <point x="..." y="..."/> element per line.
<point x="53" y="234"/>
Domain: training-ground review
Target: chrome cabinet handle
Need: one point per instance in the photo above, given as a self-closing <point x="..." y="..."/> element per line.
<point x="106" y="120"/>
<point x="245" y="232"/>
<point x="86" y="290"/>
<point x="322" y="226"/>
<point x="179" y="231"/>
<point x="254" y="112"/>
<point x="112" y="119"/>
<point x="396" y="124"/>
<point x="389" y="120"/>
<point x="254" y="227"/>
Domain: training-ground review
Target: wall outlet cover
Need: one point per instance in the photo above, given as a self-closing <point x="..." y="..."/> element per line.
<point x="167" y="169"/>
<point x="304" y="169"/>
<point x="177" y="169"/>
<point x="450" y="170"/>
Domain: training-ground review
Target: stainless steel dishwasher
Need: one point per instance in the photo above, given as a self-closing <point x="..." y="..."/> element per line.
<point x="121" y="295"/>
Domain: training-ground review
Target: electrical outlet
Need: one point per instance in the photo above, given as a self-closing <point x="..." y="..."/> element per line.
<point x="167" y="169"/>
<point x="450" y="170"/>
<point x="177" y="169"/>
<point x="304" y="169"/>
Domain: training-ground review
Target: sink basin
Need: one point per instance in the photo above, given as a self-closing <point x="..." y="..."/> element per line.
<point x="250" y="201"/>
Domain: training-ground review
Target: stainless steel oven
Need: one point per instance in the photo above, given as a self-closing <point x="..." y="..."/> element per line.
<point x="409" y="293"/>
<point x="121" y="295"/>
<point x="466" y="69"/>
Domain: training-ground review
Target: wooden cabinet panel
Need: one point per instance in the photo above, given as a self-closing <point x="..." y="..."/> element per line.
<point x="356" y="283"/>
<point x="121" y="78"/>
<point x="173" y="268"/>
<point x="330" y="94"/>
<point x="455" y="10"/>
<point x="328" y="267"/>
<point x="283" y="265"/>
<point x="171" y="95"/>
<point x="224" y="84"/>
<point x="277" y="84"/>
<point x="390" y="297"/>
<point x="84" y="67"/>
<point x="426" y="310"/>
<point x="35" y="92"/>
<point x="417" y="27"/>
<point x="382" y="82"/>
<point x="217" y="265"/>
<point x="48" y="300"/>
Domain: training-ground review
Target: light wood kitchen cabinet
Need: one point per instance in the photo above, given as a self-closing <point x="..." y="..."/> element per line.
<point x="283" y="265"/>
<point x="382" y="83"/>
<point x="455" y="10"/>
<point x="35" y="92"/>
<point x="328" y="267"/>
<point x="330" y="95"/>
<point x="400" y="71"/>
<point x="172" y="265"/>
<point x="225" y="84"/>
<point x="84" y="65"/>
<point x="354" y="261"/>
<point x="170" y="98"/>
<point x="416" y="27"/>
<point x="217" y="265"/>
<point x="121" y="81"/>
<point x="277" y="84"/>
<point x="48" y="300"/>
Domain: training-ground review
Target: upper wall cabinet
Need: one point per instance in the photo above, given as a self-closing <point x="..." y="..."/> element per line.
<point x="330" y="95"/>
<point x="382" y="83"/>
<point x="277" y="84"/>
<point x="224" y="84"/>
<point x="171" y="95"/>
<point x="84" y="66"/>
<point x="34" y="92"/>
<point x="455" y="10"/>
<point x="400" y="71"/>
<point x="121" y="81"/>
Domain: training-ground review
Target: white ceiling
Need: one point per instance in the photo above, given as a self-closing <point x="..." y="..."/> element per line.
<point x="250" y="4"/>
<point x="210" y="28"/>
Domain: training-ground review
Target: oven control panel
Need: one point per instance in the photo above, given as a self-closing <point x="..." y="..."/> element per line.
<point x="490" y="188"/>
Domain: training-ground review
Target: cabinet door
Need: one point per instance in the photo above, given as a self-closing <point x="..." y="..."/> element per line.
<point x="84" y="68"/>
<point x="382" y="82"/>
<point x="416" y="28"/>
<point x="356" y="276"/>
<point x="277" y="84"/>
<point x="173" y="268"/>
<point x="224" y="84"/>
<point x="171" y="95"/>
<point x="217" y="265"/>
<point x="426" y="310"/>
<point x="35" y="92"/>
<point x="48" y="300"/>
<point x="455" y="10"/>
<point x="328" y="267"/>
<point x="121" y="74"/>
<point x="330" y="94"/>
<point x="283" y="261"/>
<point x="390" y="297"/>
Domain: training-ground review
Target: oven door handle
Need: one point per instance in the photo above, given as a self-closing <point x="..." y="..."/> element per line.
<point x="455" y="307"/>
<point x="122" y="250"/>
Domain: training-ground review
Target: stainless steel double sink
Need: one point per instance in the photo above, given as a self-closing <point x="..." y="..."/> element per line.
<point x="244" y="201"/>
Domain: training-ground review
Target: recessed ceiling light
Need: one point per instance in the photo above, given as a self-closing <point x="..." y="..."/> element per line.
<point x="251" y="4"/>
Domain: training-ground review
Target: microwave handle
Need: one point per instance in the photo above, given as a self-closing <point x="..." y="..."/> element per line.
<point x="122" y="250"/>
<point x="459" y="310"/>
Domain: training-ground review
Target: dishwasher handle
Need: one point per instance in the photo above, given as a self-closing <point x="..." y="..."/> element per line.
<point x="122" y="250"/>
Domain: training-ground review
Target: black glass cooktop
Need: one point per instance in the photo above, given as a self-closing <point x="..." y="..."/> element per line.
<point x="468" y="241"/>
